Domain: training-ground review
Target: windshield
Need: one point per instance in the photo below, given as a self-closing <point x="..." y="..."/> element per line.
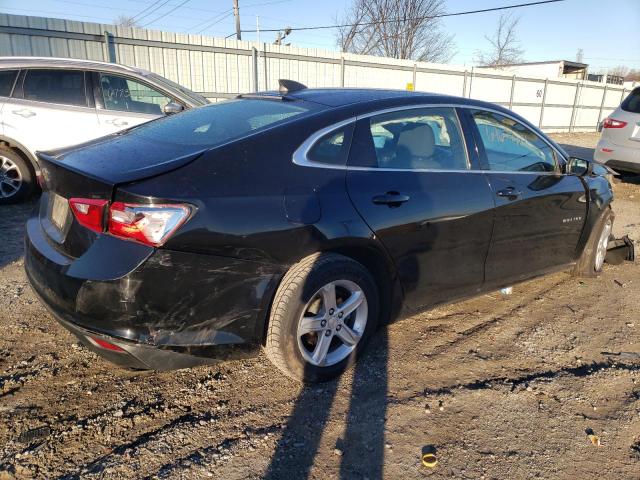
<point x="193" y="96"/>
<point x="220" y="123"/>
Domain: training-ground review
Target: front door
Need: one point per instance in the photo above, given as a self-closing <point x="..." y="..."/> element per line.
<point x="124" y="102"/>
<point x="540" y="211"/>
<point x="411" y="179"/>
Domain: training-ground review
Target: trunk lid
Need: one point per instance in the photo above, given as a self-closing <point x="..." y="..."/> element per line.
<point x="94" y="170"/>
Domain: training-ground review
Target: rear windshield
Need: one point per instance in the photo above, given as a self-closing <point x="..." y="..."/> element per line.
<point x="222" y="122"/>
<point x="632" y="102"/>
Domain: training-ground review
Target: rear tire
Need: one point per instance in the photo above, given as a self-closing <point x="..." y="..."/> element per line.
<point x="313" y="334"/>
<point x="594" y="253"/>
<point x="17" y="178"/>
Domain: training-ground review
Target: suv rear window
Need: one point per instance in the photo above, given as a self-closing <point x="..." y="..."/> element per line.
<point x="64" y="87"/>
<point x="632" y="102"/>
<point x="222" y="122"/>
<point x="7" y="79"/>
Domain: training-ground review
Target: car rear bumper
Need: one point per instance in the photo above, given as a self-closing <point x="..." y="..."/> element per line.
<point x="170" y="310"/>
<point x="618" y="157"/>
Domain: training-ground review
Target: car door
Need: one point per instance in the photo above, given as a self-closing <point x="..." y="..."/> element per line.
<point x="124" y="102"/>
<point x="7" y="81"/>
<point x="50" y="109"/>
<point x="412" y="180"/>
<point x="539" y="211"/>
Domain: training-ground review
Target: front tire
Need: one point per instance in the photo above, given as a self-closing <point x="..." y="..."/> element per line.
<point x="592" y="260"/>
<point x="323" y="314"/>
<point x="17" y="179"/>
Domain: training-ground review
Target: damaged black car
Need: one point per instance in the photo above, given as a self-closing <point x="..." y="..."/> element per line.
<point x="299" y="221"/>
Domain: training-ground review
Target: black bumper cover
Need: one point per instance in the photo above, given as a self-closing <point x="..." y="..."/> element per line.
<point x="172" y="310"/>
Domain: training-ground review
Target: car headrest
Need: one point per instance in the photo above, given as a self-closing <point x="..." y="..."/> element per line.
<point x="419" y="140"/>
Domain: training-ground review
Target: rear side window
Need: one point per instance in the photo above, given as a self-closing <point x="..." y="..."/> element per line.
<point x="510" y="146"/>
<point x="332" y="148"/>
<point x="125" y="95"/>
<point x="7" y="79"/>
<point x="632" y="102"/>
<point x="64" y="87"/>
<point x="219" y="123"/>
<point x="418" y="139"/>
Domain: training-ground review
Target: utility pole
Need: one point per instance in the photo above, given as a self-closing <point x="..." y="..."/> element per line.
<point x="236" y="13"/>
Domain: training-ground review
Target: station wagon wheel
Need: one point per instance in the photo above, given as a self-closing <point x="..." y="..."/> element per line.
<point x="323" y="314"/>
<point x="17" y="179"/>
<point x="10" y="177"/>
<point x="332" y="323"/>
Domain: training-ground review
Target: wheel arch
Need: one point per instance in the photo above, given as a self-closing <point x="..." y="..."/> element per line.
<point x="376" y="261"/>
<point x="21" y="150"/>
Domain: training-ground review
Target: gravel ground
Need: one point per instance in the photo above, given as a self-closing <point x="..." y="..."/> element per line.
<point x="499" y="386"/>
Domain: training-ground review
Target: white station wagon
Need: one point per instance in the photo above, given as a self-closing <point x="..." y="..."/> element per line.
<point x="48" y="103"/>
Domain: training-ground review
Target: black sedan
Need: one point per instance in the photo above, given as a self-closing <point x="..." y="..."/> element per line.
<point x="299" y="221"/>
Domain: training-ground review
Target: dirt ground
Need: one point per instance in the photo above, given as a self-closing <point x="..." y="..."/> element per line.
<point x="500" y="386"/>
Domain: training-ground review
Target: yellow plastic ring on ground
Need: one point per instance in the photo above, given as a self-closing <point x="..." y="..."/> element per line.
<point x="429" y="460"/>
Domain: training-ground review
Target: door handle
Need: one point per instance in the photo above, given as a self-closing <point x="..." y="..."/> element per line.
<point x="117" y="122"/>
<point x="392" y="199"/>
<point x="25" y="113"/>
<point x="509" y="192"/>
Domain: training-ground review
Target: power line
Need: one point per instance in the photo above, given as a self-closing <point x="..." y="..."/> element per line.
<point x="166" y="13"/>
<point x="455" y="14"/>
<point x="148" y="11"/>
<point x="227" y="15"/>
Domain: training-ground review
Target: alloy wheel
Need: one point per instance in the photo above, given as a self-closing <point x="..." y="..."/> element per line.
<point x="332" y="323"/>
<point x="603" y="243"/>
<point x="10" y="177"/>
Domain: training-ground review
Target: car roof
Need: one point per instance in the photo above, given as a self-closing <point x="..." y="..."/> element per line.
<point x="374" y="97"/>
<point x="53" y="62"/>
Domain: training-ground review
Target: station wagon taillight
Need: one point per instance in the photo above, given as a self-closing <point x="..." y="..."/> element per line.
<point x="613" y="123"/>
<point x="148" y="224"/>
<point x="152" y="225"/>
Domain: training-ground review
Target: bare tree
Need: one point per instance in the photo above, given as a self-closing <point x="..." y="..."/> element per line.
<point x="405" y="29"/>
<point x="619" y="71"/>
<point x="505" y="47"/>
<point x="125" y="21"/>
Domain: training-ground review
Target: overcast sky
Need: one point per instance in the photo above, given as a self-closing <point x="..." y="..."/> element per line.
<point x="608" y="32"/>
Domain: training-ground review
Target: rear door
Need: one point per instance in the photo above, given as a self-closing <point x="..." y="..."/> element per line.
<point x="125" y="102"/>
<point x="539" y="211"/>
<point x="50" y="108"/>
<point x="411" y="179"/>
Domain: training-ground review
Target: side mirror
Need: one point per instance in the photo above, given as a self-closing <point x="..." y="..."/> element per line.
<point x="171" y="108"/>
<point x="579" y="166"/>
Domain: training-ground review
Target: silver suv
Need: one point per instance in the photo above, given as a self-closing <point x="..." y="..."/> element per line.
<point x="48" y="103"/>
<point x="619" y="145"/>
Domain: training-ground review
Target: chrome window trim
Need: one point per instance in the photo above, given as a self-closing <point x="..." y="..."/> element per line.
<point x="300" y="155"/>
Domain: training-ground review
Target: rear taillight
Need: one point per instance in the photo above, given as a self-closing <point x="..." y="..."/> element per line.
<point x="613" y="123"/>
<point x="148" y="224"/>
<point x="89" y="212"/>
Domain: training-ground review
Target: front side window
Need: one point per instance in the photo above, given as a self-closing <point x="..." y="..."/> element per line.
<point x="419" y="139"/>
<point x="64" y="87"/>
<point x="510" y="146"/>
<point x="7" y="79"/>
<point x="125" y="95"/>
<point x="218" y="123"/>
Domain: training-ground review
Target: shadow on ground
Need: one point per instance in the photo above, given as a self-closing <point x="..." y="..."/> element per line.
<point x="12" y="221"/>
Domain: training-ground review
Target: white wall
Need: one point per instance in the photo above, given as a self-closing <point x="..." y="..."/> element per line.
<point x="221" y="68"/>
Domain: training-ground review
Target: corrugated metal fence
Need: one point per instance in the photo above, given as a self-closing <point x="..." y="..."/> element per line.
<point x="221" y="68"/>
